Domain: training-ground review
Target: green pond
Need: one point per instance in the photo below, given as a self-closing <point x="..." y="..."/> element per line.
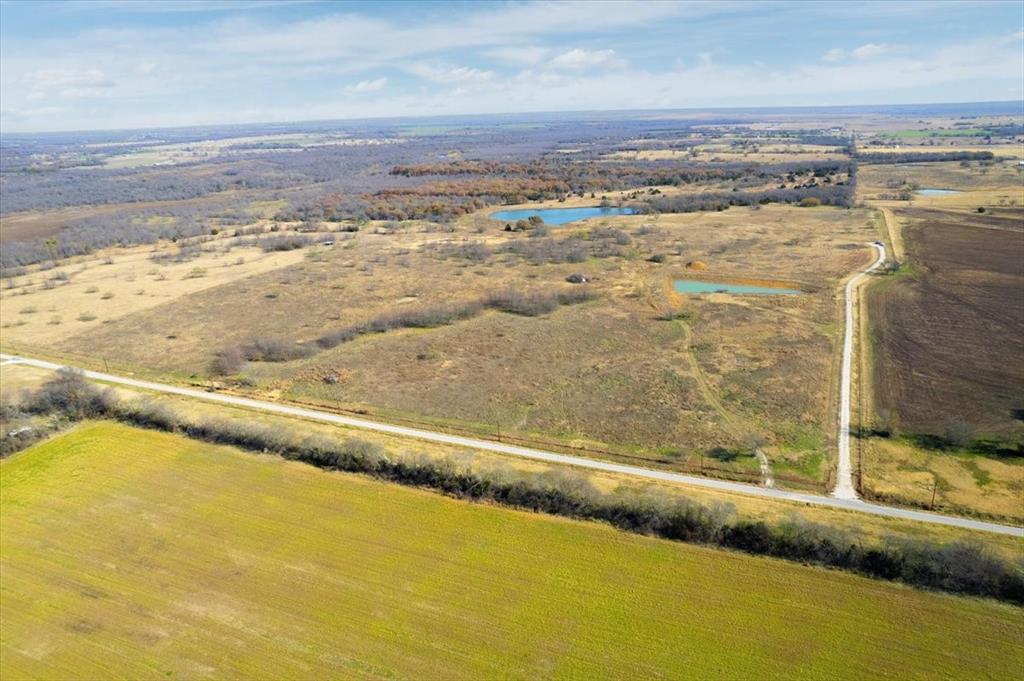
<point x="697" y="286"/>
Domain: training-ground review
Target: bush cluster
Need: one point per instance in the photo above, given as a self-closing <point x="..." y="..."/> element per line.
<point x="285" y="242"/>
<point x="924" y="156"/>
<point x="511" y="301"/>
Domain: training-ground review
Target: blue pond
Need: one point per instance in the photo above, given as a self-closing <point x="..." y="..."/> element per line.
<point x="695" y="286"/>
<point x="560" y="216"/>
<point x="936" y="192"/>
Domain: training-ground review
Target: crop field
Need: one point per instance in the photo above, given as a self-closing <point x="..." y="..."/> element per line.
<point x="943" y="334"/>
<point x="941" y="331"/>
<point x="637" y="372"/>
<point x="290" y="574"/>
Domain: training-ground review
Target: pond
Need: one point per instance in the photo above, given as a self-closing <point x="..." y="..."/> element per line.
<point x="561" y="216"/>
<point x="937" y="192"/>
<point x="697" y="286"/>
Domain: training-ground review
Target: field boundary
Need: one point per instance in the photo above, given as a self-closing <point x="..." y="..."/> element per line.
<point x="540" y="455"/>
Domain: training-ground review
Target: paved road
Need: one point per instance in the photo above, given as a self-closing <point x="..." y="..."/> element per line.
<point x="844" y="470"/>
<point x="551" y="457"/>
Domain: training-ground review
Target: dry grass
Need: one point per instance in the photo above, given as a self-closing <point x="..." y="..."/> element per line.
<point x="980" y="185"/>
<point x="608" y="375"/>
<point x="90" y="281"/>
<point x="959" y="482"/>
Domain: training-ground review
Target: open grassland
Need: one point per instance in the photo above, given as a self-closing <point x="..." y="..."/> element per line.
<point x="638" y="372"/>
<point x="43" y="308"/>
<point x="999" y="150"/>
<point x="982" y="184"/>
<point x="134" y="553"/>
<point x="949" y="480"/>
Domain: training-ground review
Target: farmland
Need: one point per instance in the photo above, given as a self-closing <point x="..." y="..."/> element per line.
<point x="401" y="299"/>
<point x="945" y="361"/>
<point x="78" y="571"/>
<point x="940" y="332"/>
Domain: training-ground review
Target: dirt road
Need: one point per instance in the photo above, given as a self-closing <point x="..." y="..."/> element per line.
<point x="525" y="452"/>
<point x="844" y="488"/>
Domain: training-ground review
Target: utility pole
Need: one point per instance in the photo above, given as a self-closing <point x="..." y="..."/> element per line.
<point x="935" y="486"/>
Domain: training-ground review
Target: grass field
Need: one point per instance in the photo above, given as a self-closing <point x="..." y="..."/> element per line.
<point x="981" y="185"/>
<point x="141" y="554"/>
<point x="901" y="470"/>
<point x="610" y="375"/>
<point x="39" y="311"/>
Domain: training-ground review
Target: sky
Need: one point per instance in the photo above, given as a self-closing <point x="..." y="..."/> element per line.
<point x="113" y="64"/>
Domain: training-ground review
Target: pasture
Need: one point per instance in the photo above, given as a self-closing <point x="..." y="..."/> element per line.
<point x="43" y="308"/>
<point x="142" y="554"/>
<point x="640" y="372"/>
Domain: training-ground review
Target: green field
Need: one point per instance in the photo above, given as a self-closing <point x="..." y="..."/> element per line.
<point x="129" y="553"/>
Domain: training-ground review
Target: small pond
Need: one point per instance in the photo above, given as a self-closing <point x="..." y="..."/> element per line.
<point x="561" y="216"/>
<point x="937" y="192"/>
<point x="696" y="286"/>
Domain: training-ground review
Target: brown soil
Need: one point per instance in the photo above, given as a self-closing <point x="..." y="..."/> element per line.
<point x="949" y="340"/>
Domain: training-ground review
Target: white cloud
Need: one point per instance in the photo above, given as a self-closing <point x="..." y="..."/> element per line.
<point x="579" y="59"/>
<point x="44" y="79"/>
<point x="491" y="58"/>
<point x="367" y="86"/>
<point x="524" y="55"/>
<point x="450" y="74"/>
<point x="834" y="55"/>
<point x="66" y="83"/>
<point x="872" y="50"/>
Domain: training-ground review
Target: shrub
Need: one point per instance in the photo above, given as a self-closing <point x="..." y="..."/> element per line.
<point x="809" y="202"/>
<point x="273" y="349"/>
<point x="227" y="361"/>
<point x="71" y="395"/>
<point x="511" y="301"/>
<point x="958" y="433"/>
<point x="284" y="242"/>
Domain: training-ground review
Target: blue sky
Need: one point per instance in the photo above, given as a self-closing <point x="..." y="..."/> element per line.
<point x="119" y="64"/>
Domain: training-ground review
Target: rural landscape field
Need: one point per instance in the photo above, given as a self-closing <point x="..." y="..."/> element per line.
<point x="471" y="368"/>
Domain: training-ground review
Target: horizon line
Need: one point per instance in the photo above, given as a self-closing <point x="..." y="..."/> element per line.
<point x="777" y="108"/>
